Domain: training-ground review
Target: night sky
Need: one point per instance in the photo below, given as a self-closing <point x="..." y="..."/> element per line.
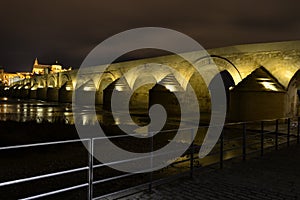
<point x="66" y="30"/>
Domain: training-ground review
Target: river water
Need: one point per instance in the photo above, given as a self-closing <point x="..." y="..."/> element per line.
<point x="54" y="112"/>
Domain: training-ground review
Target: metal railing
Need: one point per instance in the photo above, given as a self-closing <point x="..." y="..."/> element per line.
<point x="238" y="140"/>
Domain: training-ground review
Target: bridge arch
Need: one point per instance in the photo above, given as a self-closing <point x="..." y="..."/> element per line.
<point x="52" y="82"/>
<point x="106" y="79"/>
<point x="42" y="83"/>
<point x="292" y="107"/>
<point x="64" y="78"/>
<point x="223" y="64"/>
<point x="283" y="70"/>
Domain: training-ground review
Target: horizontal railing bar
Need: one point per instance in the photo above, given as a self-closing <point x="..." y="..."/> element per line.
<point x="157" y="182"/>
<point x="42" y="144"/>
<point x="42" y="176"/>
<point x="137" y="134"/>
<point x="120" y="191"/>
<point x="128" y="160"/>
<point x="56" y="191"/>
<point x="133" y="159"/>
<point x="116" y="177"/>
<point x="183" y="129"/>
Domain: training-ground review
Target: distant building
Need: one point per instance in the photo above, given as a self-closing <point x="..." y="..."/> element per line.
<point x="9" y="79"/>
<point x="41" y="69"/>
<point x="1" y="76"/>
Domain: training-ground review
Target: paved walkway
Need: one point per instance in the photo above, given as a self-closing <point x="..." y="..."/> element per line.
<point x="274" y="176"/>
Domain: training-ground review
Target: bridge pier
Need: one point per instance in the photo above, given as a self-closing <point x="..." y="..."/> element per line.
<point x="161" y="95"/>
<point x="16" y="91"/>
<point x="65" y="96"/>
<point x="32" y="94"/>
<point x="65" y="92"/>
<point x="24" y="91"/>
<point x="99" y="97"/>
<point x="52" y="94"/>
<point x="122" y="88"/>
<point x="41" y="94"/>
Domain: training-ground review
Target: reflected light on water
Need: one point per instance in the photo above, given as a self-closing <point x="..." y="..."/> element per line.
<point x="53" y="112"/>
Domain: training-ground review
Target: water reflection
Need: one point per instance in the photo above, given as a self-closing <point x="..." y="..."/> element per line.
<point x="53" y="112"/>
<point x="33" y="110"/>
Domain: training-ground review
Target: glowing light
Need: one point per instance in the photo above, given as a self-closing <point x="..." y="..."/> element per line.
<point x="6" y="88"/>
<point x="88" y="88"/>
<point x="269" y="85"/>
<point x="119" y="88"/>
<point x="26" y="87"/>
<point x="19" y="87"/>
<point x="172" y="88"/>
<point x="40" y="86"/>
<point x="263" y="79"/>
<point x="117" y="121"/>
<point x="68" y="88"/>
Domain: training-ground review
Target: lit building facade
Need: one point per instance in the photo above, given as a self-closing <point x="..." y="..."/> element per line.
<point x="41" y="69"/>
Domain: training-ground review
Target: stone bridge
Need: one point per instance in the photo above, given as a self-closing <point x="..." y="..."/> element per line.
<point x="261" y="81"/>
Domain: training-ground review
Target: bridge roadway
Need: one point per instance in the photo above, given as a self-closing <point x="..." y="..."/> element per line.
<point x="274" y="176"/>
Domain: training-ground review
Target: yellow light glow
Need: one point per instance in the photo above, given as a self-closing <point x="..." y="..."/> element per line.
<point x="172" y="88"/>
<point x="119" y="88"/>
<point x="269" y="86"/>
<point x="88" y="88"/>
<point x="68" y="88"/>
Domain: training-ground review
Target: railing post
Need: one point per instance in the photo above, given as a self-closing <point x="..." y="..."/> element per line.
<point x="91" y="168"/>
<point x="221" y="149"/>
<point x="192" y="155"/>
<point x="244" y="141"/>
<point x="276" y="135"/>
<point x="298" y="131"/>
<point x="151" y="163"/>
<point x="262" y="139"/>
<point x="288" y="132"/>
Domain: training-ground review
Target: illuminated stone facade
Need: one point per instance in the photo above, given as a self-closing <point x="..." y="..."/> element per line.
<point x="273" y="95"/>
<point x="41" y="69"/>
